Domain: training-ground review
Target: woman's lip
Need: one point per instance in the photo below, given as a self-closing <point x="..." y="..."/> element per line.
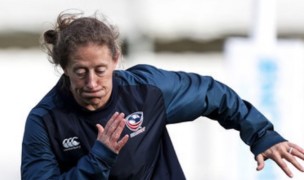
<point x="96" y="93"/>
<point x="91" y="91"/>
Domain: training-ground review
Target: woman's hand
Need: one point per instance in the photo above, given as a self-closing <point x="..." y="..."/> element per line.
<point x="110" y="135"/>
<point x="278" y="153"/>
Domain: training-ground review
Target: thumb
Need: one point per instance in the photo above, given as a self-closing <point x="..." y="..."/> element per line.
<point x="260" y="162"/>
<point x="100" y="129"/>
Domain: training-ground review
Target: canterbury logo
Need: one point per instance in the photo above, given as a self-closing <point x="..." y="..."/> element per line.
<point x="70" y="143"/>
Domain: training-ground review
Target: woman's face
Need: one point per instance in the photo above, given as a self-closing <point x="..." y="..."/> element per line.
<point x="90" y="70"/>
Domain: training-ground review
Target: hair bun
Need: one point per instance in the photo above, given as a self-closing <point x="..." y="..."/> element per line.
<point x="50" y="37"/>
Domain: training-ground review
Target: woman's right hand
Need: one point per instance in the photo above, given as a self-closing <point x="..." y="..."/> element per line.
<point x="110" y="134"/>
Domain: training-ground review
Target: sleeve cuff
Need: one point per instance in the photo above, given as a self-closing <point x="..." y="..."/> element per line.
<point x="269" y="139"/>
<point x="101" y="152"/>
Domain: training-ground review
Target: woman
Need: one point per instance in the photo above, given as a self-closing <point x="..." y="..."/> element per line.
<point x="102" y="123"/>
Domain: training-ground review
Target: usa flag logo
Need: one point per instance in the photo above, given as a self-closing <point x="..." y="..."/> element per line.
<point x="134" y="121"/>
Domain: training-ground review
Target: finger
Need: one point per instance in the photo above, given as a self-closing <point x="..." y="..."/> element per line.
<point x="116" y="134"/>
<point x="122" y="142"/>
<point x="260" y="162"/>
<point x="297" y="147"/>
<point x="115" y="124"/>
<point x="282" y="165"/>
<point x="113" y="117"/>
<point x="295" y="163"/>
<point x="290" y="157"/>
<point x="109" y="125"/>
<point x="297" y="151"/>
<point x="100" y="129"/>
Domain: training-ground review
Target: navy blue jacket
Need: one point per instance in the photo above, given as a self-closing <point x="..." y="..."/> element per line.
<point x="60" y="136"/>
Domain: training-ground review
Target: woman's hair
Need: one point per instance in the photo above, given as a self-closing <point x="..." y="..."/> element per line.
<point x="73" y="30"/>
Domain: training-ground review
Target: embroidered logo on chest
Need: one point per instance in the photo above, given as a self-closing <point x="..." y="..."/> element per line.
<point x="134" y="122"/>
<point x="71" y="143"/>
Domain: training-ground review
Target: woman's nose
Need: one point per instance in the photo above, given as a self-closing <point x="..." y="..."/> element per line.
<point x="91" y="81"/>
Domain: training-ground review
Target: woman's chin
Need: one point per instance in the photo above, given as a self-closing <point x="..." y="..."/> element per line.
<point x="94" y="103"/>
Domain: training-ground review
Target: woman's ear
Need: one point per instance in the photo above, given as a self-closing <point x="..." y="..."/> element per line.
<point x="116" y="58"/>
<point x="65" y="72"/>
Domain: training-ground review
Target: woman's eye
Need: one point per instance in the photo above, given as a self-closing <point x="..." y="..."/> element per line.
<point x="100" y="71"/>
<point x="80" y="72"/>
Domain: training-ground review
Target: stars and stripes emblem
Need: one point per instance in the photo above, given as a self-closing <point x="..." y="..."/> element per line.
<point x="134" y="121"/>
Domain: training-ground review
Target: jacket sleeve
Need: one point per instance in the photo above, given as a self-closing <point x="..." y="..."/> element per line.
<point x="188" y="96"/>
<point x="39" y="162"/>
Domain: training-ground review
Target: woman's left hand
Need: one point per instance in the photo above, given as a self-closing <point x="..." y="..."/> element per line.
<point x="279" y="152"/>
